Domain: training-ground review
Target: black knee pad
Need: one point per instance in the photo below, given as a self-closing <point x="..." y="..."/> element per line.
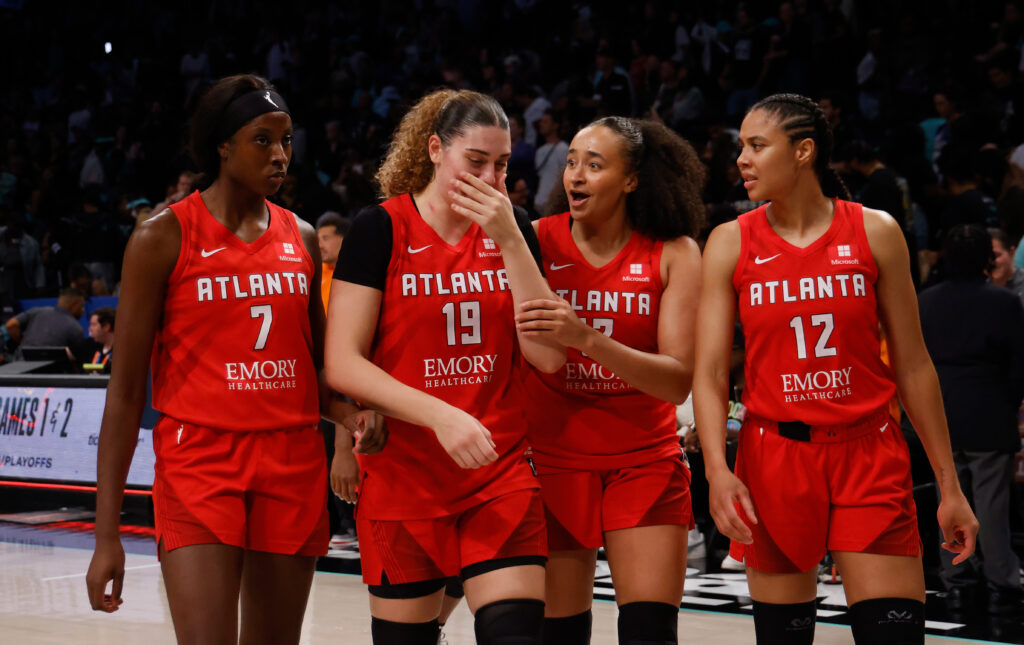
<point x="888" y="621"/>
<point x="648" y="623"/>
<point x="515" y="621"/>
<point x="385" y="632"/>
<point x="570" y="630"/>
<point x="784" y="624"/>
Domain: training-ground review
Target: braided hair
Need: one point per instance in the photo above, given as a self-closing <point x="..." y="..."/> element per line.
<point x="801" y="118"/>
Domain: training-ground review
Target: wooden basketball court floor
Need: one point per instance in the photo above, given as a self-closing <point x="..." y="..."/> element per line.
<point x="43" y="600"/>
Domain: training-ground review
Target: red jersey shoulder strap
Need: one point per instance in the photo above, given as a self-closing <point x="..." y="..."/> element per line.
<point x="656" y="249"/>
<point x="186" y="211"/>
<point x="854" y="214"/>
<point x="290" y="228"/>
<point x="746" y="222"/>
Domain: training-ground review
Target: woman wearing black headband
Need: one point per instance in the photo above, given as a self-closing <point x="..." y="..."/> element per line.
<point x="223" y="290"/>
<point x="603" y="428"/>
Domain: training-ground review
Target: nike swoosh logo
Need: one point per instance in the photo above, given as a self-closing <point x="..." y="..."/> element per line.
<point x="422" y="248"/>
<point x="559" y="267"/>
<point x="758" y="260"/>
<point x="882" y="429"/>
<point x="207" y="254"/>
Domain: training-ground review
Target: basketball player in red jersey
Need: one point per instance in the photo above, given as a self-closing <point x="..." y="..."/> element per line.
<point x="421" y="326"/>
<point x="821" y="463"/>
<point x="226" y="284"/>
<point x="603" y="428"/>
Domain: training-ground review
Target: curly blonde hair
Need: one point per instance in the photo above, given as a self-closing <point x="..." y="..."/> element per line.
<point x="407" y="168"/>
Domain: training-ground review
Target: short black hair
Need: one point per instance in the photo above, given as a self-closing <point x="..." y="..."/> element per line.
<point x="71" y="292"/>
<point x="330" y="218"/>
<point x="105" y="316"/>
<point x="77" y="270"/>
<point x="968" y="253"/>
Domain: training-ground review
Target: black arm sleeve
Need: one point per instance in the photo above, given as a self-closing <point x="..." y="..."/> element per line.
<point x="530" y="235"/>
<point x="366" y="251"/>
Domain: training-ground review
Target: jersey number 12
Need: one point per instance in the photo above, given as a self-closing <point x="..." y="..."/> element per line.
<point x="821" y="348"/>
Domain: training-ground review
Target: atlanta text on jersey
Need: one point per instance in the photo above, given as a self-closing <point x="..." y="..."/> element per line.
<point x="458" y="370"/>
<point x="840" y="285"/>
<point x="427" y="284"/>
<point x="607" y="301"/>
<point x="816" y="386"/>
<point x="225" y="287"/>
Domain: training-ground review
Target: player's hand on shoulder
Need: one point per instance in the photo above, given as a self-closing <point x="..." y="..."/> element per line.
<point x="552" y="319"/>
<point x="489" y="207"/>
<point x="368" y="429"/>
<point x="465" y="439"/>
<point x="345" y="475"/>
<point x="959" y="526"/>
<point x="727" y="496"/>
<point x="107" y="565"/>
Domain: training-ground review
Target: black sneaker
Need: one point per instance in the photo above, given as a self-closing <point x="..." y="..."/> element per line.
<point x="1006" y="601"/>
<point x="956" y="598"/>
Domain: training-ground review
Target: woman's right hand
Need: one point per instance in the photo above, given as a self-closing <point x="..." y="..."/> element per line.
<point x="465" y="439"/>
<point x="726" y="492"/>
<point x="107" y="565"/>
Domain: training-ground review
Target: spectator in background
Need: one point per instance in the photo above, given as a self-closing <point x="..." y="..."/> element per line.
<point x="519" y="194"/>
<point x="520" y="164"/>
<point x="613" y="94"/>
<point x="534" y="105"/>
<point x="94" y="354"/>
<point x="1003" y="272"/>
<point x="881" y="188"/>
<point x="80" y="278"/>
<point x="178" y="191"/>
<point x="975" y="335"/>
<point x="21" y="266"/>
<point x="549" y="160"/>
<point x="331" y="229"/>
<point x="967" y="204"/>
<point x="49" y="326"/>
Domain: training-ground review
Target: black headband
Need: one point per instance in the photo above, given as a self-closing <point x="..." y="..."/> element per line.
<point x="247" y="107"/>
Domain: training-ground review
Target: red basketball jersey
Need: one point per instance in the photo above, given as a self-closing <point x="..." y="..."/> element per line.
<point x="234" y="349"/>
<point x="584" y="416"/>
<point x="810" y="321"/>
<point x="446" y="327"/>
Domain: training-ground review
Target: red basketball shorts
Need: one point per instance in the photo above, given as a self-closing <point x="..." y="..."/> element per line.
<point x="404" y="551"/>
<point x="847" y="488"/>
<point x="580" y="505"/>
<point x="262" y="491"/>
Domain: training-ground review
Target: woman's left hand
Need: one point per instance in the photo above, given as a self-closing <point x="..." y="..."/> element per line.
<point x="489" y="207"/>
<point x="554" y="320"/>
<point x="369" y="430"/>
<point x="958" y="525"/>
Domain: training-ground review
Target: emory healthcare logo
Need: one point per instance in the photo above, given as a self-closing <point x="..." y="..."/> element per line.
<point x="843" y="254"/>
<point x="289" y="253"/>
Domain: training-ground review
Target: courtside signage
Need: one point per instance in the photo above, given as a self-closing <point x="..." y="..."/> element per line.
<point x="52" y="433"/>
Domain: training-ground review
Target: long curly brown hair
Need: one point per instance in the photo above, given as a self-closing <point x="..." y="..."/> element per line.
<point x="407" y="168"/>
<point x="667" y="202"/>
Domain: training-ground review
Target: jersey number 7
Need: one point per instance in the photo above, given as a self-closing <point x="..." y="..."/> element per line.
<point x="267" y="314"/>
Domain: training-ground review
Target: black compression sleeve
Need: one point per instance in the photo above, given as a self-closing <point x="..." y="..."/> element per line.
<point x="530" y="235"/>
<point x="366" y="251"/>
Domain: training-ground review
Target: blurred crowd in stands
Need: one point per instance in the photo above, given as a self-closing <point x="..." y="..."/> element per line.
<point x="926" y="100"/>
